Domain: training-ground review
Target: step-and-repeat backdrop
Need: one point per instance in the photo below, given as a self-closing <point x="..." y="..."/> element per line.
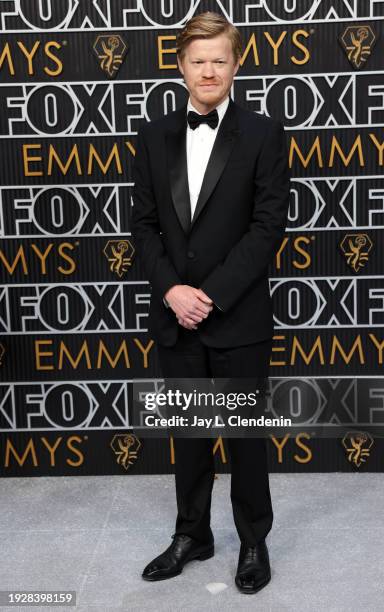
<point x="77" y="79"/>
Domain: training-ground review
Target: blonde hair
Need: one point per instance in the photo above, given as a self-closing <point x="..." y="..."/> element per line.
<point x="208" y="25"/>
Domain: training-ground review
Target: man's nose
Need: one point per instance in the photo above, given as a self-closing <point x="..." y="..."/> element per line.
<point x="208" y="69"/>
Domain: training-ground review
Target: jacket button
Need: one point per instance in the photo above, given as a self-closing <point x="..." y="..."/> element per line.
<point x="191" y="254"/>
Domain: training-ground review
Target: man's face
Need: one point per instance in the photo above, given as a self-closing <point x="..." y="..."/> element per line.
<point x="208" y="67"/>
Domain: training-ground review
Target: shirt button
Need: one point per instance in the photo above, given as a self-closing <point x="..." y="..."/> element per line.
<point x="191" y="254"/>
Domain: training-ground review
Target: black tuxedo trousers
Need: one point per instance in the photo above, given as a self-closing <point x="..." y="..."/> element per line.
<point x="194" y="460"/>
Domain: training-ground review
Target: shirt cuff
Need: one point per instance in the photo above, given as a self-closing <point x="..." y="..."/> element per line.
<point x="165" y="303"/>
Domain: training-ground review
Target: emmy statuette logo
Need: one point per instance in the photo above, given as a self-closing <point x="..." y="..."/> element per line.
<point x="125" y="447"/>
<point x="358" y="43"/>
<point x="110" y="49"/>
<point x="119" y="254"/>
<point x="356" y="248"/>
<point x="357" y="446"/>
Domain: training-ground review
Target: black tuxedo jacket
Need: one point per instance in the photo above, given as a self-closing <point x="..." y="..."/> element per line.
<point x="236" y="230"/>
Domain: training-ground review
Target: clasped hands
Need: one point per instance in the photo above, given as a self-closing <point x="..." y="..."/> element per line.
<point x="190" y="305"/>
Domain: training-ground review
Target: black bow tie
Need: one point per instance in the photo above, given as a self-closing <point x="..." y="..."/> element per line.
<point x="194" y="120"/>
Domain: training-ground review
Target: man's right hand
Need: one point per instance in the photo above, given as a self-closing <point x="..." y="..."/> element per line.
<point x="190" y="305"/>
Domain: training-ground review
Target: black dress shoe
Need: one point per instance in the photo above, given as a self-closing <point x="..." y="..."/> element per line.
<point x="171" y="562"/>
<point x="253" y="570"/>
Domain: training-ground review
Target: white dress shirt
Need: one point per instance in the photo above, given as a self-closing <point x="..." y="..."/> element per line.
<point x="200" y="142"/>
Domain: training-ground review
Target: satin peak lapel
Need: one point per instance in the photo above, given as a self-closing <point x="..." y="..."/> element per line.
<point x="222" y="148"/>
<point x="176" y="144"/>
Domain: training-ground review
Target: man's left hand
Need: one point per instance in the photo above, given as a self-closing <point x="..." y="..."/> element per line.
<point x="183" y="323"/>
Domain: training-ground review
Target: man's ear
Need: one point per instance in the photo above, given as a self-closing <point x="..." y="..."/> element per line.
<point x="180" y="65"/>
<point x="237" y="66"/>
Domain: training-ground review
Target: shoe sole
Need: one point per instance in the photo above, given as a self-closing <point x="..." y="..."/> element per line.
<point x="200" y="557"/>
<point x="252" y="591"/>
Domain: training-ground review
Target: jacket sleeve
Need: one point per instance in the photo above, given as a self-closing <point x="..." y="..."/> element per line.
<point x="249" y="258"/>
<point x="145" y="225"/>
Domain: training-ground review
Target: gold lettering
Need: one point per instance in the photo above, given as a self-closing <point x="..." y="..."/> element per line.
<point x="306" y="255"/>
<point x="144" y="350"/>
<point x="280" y="446"/>
<point x="347" y="358"/>
<point x="307" y="358"/>
<point x="300" y="46"/>
<point x="172" y="450"/>
<point x="279" y="252"/>
<point x="277" y="349"/>
<point x="6" y="54"/>
<point x="378" y="346"/>
<point x="380" y="148"/>
<point x="103" y="349"/>
<point x="42" y="256"/>
<point x="66" y="257"/>
<point x="27" y="158"/>
<point x="74" y="154"/>
<point x="39" y="354"/>
<point x="19" y="255"/>
<point x="299" y="443"/>
<point x="74" y="362"/>
<point x="10" y="450"/>
<point x="251" y="45"/>
<point x="163" y="51"/>
<point x="130" y="147"/>
<point x="56" y="60"/>
<point x="29" y="54"/>
<point x="76" y="451"/>
<point x="275" y="45"/>
<point x="335" y="146"/>
<point x="219" y="446"/>
<point x="305" y="161"/>
<point x="114" y="154"/>
<point x="51" y="449"/>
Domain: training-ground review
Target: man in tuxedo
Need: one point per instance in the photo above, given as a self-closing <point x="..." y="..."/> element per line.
<point x="210" y="205"/>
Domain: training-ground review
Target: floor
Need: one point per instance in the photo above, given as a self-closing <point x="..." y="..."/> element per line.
<point x="94" y="535"/>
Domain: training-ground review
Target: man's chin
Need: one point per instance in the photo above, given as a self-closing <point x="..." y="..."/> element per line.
<point x="209" y="97"/>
